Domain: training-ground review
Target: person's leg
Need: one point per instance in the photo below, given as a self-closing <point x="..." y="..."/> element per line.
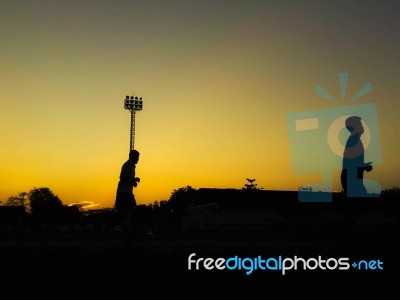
<point x="343" y="179"/>
<point x="119" y="211"/>
<point x="130" y="215"/>
<point x="122" y="205"/>
<point x="360" y="177"/>
<point x="355" y="186"/>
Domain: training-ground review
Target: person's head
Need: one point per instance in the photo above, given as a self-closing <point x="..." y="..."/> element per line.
<point x="354" y="125"/>
<point x="134" y="156"/>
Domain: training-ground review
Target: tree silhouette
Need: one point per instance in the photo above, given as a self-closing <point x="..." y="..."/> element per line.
<point x="20" y="200"/>
<point x="45" y="205"/>
<point x="251" y="185"/>
<point x="178" y="202"/>
<point x="181" y="194"/>
<point x="305" y="189"/>
<point x="391" y="191"/>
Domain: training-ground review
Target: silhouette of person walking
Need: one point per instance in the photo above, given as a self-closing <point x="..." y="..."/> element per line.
<point x="125" y="202"/>
<point x="353" y="160"/>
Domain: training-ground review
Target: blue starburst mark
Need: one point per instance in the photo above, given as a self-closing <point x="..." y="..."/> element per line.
<point x="343" y="83"/>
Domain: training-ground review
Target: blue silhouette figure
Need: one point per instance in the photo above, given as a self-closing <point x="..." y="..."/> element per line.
<point x="353" y="160"/>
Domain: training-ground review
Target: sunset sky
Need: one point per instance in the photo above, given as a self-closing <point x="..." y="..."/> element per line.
<point x="217" y="80"/>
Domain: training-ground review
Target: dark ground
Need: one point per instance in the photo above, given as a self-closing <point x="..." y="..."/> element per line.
<point x="108" y="266"/>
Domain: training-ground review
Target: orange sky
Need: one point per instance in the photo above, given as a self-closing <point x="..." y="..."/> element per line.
<point x="217" y="80"/>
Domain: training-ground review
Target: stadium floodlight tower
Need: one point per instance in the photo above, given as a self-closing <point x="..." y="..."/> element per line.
<point x="133" y="104"/>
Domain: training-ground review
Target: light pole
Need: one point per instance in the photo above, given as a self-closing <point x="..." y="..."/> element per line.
<point x="133" y="104"/>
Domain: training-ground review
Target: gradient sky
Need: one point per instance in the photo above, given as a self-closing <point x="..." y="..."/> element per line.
<point x="217" y="79"/>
